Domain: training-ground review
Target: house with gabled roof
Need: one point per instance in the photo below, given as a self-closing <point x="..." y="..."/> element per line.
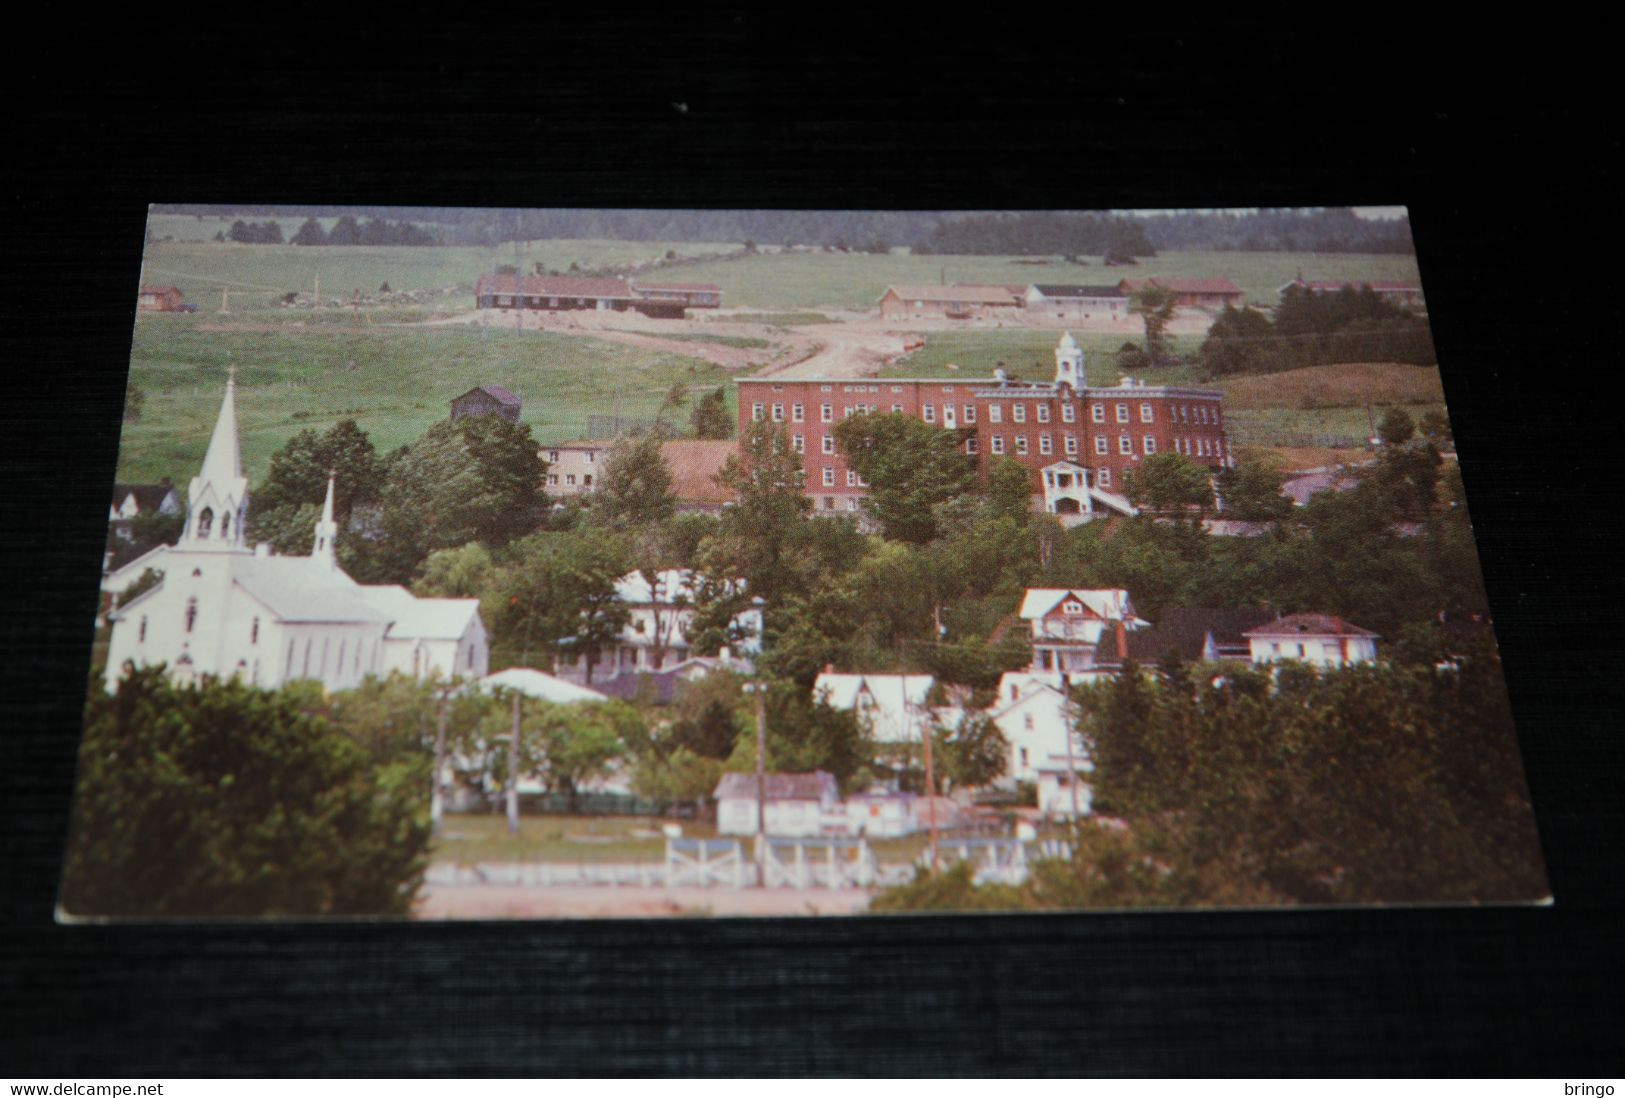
<point x="1192" y="293"/>
<point x="1198" y="635"/>
<point x="1073" y="629"/>
<point x="1071" y="302"/>
<point x="892" y="709"/>
<point x="796" y="804"/>
<point x="959" y="301"/>
<point x="1319" y="639"/>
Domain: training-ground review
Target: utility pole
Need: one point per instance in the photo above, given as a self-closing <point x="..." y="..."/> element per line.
<point x="437" y="799"/>
<point x="930" y="789"/>
<point x="318" y="294"/>
<point x="760" y="690"/>
<point x="1071" y="767"/>
<point x="513" y="771"/>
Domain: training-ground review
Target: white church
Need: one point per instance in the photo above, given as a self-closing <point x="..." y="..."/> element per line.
<point x="226" y="610"/>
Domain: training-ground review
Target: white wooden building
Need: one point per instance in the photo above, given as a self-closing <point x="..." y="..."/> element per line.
<point x="1318" y="639"/>
<point x="225" y="610"/>
<point x="797" y="804"/>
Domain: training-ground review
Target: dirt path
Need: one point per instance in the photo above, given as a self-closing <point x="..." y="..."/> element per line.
<point x="855" y="343"/>
<point x="630" y="902"/>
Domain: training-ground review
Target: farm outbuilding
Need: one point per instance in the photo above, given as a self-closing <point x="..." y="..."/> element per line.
<point x="556" y="293"/>
<point x="1077" y="302"/>
<point x="960" y="301"/>
<point x="159" y="299"/>
<point x="486" y="400"/>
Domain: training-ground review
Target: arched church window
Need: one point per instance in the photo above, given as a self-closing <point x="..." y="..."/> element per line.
<point x="191" y="613"/>
<point x="339" y="667"/>
<point x="141" y="638"/>
<point x="307" y="658"/>
<point x="225" y="525"/>
<point x="288" y="674"/>
<point x="205" y="522"/>
<point x="254" y="633"/>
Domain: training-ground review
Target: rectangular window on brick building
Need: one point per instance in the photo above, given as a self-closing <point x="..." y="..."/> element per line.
<point x="1043" y="413"/>
<point x="1069" y="412"/>
<point x="1072" y="444"/>
<point x="1097" y="412"/>
<point x="1105" y="478"/>
<point x="829" y="477"/>
<point x="828" y="444"/>
<point x="1021" y="444"/>
<point x="897" y="409"/>
<point x="758" y="410"/>
<point x="798" y="412"/>
<point x="1044" y="445"/>
<point x="826" y="413"/>
<point x="997" y="444"/>
<point x="1018" y="413"/>
<point x="1101" y="445"/>
<point x="970" y="413"/>
<point x="970" y="444"/>
<point x="929" y="412"/>
<point x="1125" y="445"/>
<point x="1148" y="414"/>
<point x="1150" y="444"/>
<point x="778" y="411"/>
<point x="995" y="413"/>
<point x="798" y="443"/>
<point x="1122" y="413"/>
<point x="851" y="479"/>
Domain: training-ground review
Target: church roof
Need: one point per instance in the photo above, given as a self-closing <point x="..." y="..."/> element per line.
<point x="436" y="619"/>
<point x="305" y="589"/>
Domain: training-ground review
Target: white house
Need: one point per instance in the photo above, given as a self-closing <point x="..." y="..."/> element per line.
<point x="1033" y="714"/>
<point x="892" y="709"/>
<point x="882" y="813"/>
<point x="797" y="804"/>
<point x="656" y="636"/>
<point x="1318" y="639"/>
<point x="1073" y="629"/>
<point x="1056" y="779"/>
<point x="225" y="610"/>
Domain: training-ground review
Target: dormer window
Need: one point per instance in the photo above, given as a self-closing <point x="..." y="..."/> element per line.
<point x="191" y="614"/>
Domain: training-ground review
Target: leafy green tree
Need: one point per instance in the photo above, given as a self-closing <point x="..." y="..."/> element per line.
<point x="1170" y="482"/>
<point x="910" y="466"/>
<point x="634" y="490"/>
<point x="563" y="746"/>
<point x="1396" y="427"/>
<point x="1155" y="306"/>
<point x="345" y="231"/>
<point x="461" y="573"/>
<point x="1239" y="341"/>
<point x="709" y="417"/>
<point x="556" y="596"/>
<point x="770" y="508"/>
<point x="309" y="233"/>
<point x="150" y="528"/>
<point x="972" y="755"/>
<point x="299" y="471"/>
<point x="1009" y="488"/>
<point x="1251" y="490"/>
<point x="225" y="800"/>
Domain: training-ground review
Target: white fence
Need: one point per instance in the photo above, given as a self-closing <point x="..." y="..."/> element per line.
<point x="818" y="863"/>
<point x="702" y="863"/>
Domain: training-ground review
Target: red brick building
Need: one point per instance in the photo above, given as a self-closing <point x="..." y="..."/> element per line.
<point x="1077" y="440"/>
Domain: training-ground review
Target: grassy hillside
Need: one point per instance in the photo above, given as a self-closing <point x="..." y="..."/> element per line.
<point x="1337" y="386"/>
<point x="1028" y="354"/>
<point x="393" y="381"/>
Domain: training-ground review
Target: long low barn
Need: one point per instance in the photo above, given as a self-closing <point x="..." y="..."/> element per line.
<point x="556" y="293"/>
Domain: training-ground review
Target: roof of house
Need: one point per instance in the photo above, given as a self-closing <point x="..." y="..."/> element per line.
<point x="539" y="684"/>
<point x="694" y="464"/>
<point x="893" y="704"/>
<point x="1052" y="289"/>
<point x="815" y="786"/>
<point x="1302" y="488"/>
<point x="1112" y="604"/>
<point x="148" y="497"/>
<point x="552" y="286"/>
<point x="697" y="287"/>
<point x="1182" y="285"/>
<point x="496" y="391"/>
<point x="627" y="685"/>
<point x="1184" y="631"/>
<point x="1312" y="625"/>
<point x="959" y="292"/>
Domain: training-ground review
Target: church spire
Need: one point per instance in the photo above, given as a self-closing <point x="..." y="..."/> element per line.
<point x="217" y="501"/>
<point x="327" y="531"/>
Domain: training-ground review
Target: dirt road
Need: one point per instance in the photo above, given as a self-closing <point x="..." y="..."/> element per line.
<point x="855" y="343"/>
<point x="630" y="902"/>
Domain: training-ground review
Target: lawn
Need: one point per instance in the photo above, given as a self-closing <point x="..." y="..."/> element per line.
<point x="394" y="382"/>
<point x="1028" y="354"/>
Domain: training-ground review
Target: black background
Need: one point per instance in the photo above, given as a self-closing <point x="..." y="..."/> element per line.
<point x="1499" y="139"/>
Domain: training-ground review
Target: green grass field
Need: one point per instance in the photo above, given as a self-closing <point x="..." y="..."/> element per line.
<point x="1028" y="354"/>
<point x="831" y="279"/>
<point x="403" y="379"/>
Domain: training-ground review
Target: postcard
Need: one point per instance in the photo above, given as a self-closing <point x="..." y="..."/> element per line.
<point x="478" y="563"/>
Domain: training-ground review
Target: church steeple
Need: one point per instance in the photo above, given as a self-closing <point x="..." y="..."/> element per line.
<point x="217" y="501"/>
<point x="327" y="531"/>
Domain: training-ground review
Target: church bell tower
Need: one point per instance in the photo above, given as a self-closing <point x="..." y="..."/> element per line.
<point x="217" y="500"/>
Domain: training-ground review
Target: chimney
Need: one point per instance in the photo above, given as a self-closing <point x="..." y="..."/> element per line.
<point x="1122" y="640"/>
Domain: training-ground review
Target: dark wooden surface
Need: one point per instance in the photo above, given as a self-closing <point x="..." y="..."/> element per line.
<point x="1497" y="140"/>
